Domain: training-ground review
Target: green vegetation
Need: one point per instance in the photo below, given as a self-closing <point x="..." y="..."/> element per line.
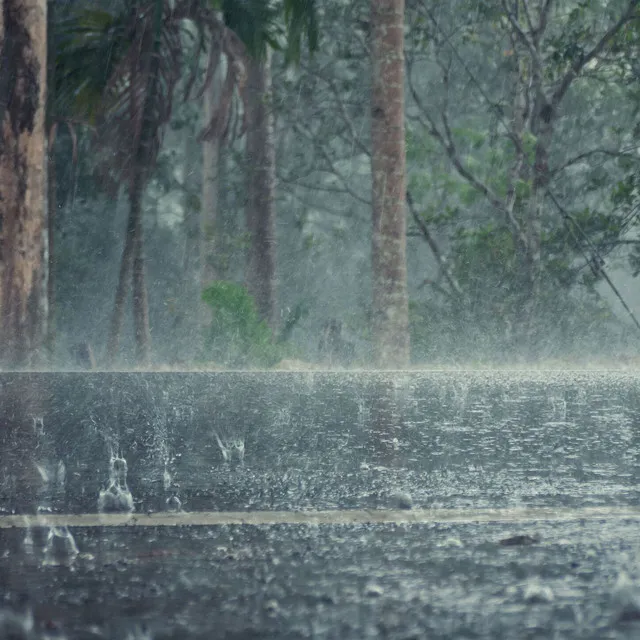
<point x="237" y="337"/>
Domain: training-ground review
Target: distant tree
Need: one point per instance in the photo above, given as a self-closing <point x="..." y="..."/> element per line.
<point x="522" y="63"/>
<point x="261" y="186"/>
<point x="23" y="288"/>
<point x="139" y="48"/>
<point x="390" y="327"/>
<point x="259" y="25"/>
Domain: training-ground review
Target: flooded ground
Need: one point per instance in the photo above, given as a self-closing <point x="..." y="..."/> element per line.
<point x="530" y="443"/>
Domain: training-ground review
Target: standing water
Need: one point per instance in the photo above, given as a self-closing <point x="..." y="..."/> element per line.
<point x="322" y="505"/>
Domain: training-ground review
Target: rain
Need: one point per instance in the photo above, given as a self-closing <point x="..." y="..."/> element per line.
<point x="319" y="319"/>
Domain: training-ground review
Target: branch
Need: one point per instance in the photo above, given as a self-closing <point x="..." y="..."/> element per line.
<point x="308" y="203"/>
<point x="606" y="152"/>
<point x="594" y="254"/>
<point x="437" y="254"/>
<point x="526" y="39"/>
<point x="527" y="15"/>
<point x="542" y="20"/>
<point x="495" y="107"/>
<point x="345" y="116"/>
<point x="599" y="47"/>
<point x="448" y="144"/>
<point x="322" y="151"/>
<point x="435" y="285"/>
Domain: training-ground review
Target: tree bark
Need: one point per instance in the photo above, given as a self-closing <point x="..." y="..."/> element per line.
<point x="23" y="56"/>
<point x="390" y="310"/>
<point x="140" y="296"/>
<point x="122" y="288"/>
<point x="52" y="206"/>
<point x="210" y="186"/>
<point x="261" y="187"/>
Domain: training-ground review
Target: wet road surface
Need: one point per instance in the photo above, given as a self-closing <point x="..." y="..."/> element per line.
<point x="558" y="453"/>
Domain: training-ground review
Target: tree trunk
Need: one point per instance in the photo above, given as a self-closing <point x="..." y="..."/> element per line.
<point x="260" y="208"/>
<point x="52" y="205"/>
<point x="210" y="186"/>
<point x="122" y="288"/>
<point x="23" y="55"/>
<point x="140" y="296"/>
<point x="52" y="197"/>
<point x="133" y="252"/>
<point x="390" y="311"/>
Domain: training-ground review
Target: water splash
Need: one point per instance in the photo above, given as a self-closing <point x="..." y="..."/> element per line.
<point x="116" y="497"/>
<point x="28" y="543"/>
<point x="139" y="632"/>
<point x="174" y="503"/>
<point x="60" y="548"/>
<point x="16" y="626"/>
<point x="231" y="448"/>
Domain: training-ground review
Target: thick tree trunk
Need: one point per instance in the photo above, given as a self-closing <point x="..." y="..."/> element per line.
<point x="261" y="187"/>
<point x="23" y="55"/>
<point x="390" y="311"/>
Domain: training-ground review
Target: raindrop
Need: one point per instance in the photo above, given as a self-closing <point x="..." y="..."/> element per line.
<point x="28" y="539"/>
<point x="232" y="448"/>
<point x="272" y="607"/>
<point x="61" y="473"/>
<point x="139" y="632"/>
<point x="52" y="631"/>
<point x="166" y="479"/>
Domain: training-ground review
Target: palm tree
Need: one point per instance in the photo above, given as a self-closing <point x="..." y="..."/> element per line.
<point x="23" y="287"/>
<point x="261" y="187"/>
<point x="139" y="48"/>
<point x="390" y="303"/>
<point x="263" y="26"/>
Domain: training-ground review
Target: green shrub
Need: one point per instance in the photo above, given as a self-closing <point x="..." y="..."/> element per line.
<point x="237" y="337"/>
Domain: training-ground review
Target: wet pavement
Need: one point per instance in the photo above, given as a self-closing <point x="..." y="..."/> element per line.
<point x="566" y="442"/>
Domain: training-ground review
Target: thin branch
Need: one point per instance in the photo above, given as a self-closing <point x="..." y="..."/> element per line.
<point x="332" y="169"/>
<point x="318" y="187"/>
<point x="599" y="47"/>
<point x="320" y="206"/>
<point x="447" y="142"/>
<point x="623" y="153"/>
<point x="435" y="249"/>
<point x="495" y="107"/>
<point x="542" y="20"/>
<point x="435" y="285"/>
<point x="524" y="37"/>
<point x="527" y="15"/>
<point x="345" y="116"/>
<point x="595" y="254"/>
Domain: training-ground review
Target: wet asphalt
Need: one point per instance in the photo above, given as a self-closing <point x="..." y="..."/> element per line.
<point x="329" y="441"/>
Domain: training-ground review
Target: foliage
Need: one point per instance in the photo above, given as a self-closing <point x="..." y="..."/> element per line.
<point x="322" y="132"/>
<point x="280" y="25"/>
<point x="237" y="337"/>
